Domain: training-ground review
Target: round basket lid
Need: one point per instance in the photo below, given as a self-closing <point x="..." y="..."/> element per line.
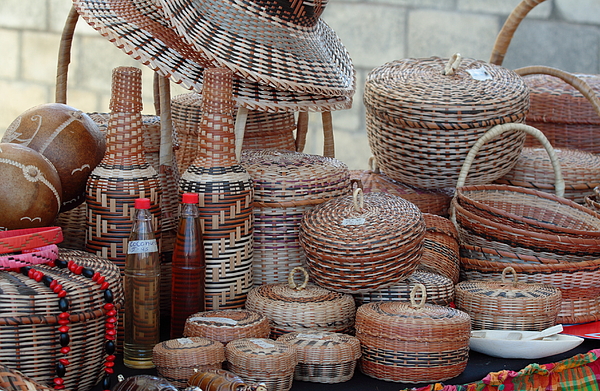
<point x="261" y="355"/>
<point x="227" y="325"/>
<point x="322" y="347"/>
<point x="441" y="93"/>
<point x="292" y="177"/>
<point x="187" y="352"/>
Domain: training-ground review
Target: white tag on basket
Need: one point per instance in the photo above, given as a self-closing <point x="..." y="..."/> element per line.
<point x="310" y="336"/>
<point x="184" y="341"/>
<point x="214" y="319"/>
<point x="261" y="343"/>
<point x="480" y="74"/>
<point x="354" y="221"/>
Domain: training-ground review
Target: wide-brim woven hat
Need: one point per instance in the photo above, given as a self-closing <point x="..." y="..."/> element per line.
<point x="140" y="29"/>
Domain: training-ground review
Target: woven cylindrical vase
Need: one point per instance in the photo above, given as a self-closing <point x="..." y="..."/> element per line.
<point x="123" y="175"/>
<point x="226" y="197"/>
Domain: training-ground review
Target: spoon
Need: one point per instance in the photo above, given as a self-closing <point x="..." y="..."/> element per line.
<point x="545" y="333"/>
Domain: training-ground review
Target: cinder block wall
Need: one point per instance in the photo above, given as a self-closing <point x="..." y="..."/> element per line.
<point x="559" y="33"/>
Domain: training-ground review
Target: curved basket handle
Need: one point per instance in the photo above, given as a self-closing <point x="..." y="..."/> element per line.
<point x="64" y="56"/>
<point x="512" y="271"/>
<point x="413" y="294"/>
<point x="559" y="183"/>
<point x="358" y="199"/>
<point x="508" y="29"/>
<point x="292" y="283"/>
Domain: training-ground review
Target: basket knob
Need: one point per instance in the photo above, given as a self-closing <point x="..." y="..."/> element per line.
<point x="507" y="270"/>
<point x="292" y="282"/>
<point x="413" y="294"/>
<point x="452" y="64"/>
<point x="359" y="199"/>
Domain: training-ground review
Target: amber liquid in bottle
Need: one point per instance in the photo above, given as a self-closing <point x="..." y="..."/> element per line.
<point x="188" y="266"/>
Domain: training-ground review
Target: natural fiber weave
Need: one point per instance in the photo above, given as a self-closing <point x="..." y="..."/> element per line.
<point x="421" y="122"/>
<point x="412" y="342"/>
<point x="324" y="357"/>
<point x="507" y="304"/>
<point x="226" y="325"/>
<point x="356" y="246"/>
<point x="29" y="336"/>
<point x="13" y="380"/>
<point x="440" y="248"/>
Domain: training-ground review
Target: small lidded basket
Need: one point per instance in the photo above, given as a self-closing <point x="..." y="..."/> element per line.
<point x="302" y="307"/>
<point x="178" y="359"/>
<point x="263" y="360"/>
<point x="226" y="325"/>
<point x="509" y="305"/>
<point x="412" y="342"/>
<point x="324" y="357"/>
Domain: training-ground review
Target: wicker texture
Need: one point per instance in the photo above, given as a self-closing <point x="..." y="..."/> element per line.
<point x="29" y="333"/>
<point x="507" y="304"/>
<point x="302" y="307"/>
<point x="324" y="357"/>
<point x="421" y="119"/>
<point x="440" y="247"/>
<point x="358" y="243"/>
<point x="227" y="325"/>
<point x="412" y="342"/>
<point x="177" y="360"/>
<point x="286" y="185"/>
<point x="226" y="197"/>
<point x="263" y="360"/>
<point x="13" y="380"/>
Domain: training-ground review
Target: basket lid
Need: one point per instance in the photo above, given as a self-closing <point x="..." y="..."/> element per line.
<point x="226" y="325"/>
<point x="323" y="347"/>
<point x="289" y="177"/>
<point x="187" y="352"/>
<point x="442" y="93"/>
<point x="261" y="355"/>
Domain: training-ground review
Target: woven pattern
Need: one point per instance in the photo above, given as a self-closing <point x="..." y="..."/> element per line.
<point x="286" y="185"/>
<point x="33" y="323"/>
<point x="13" y="380"/>
<point x="324" y="357"/>
<point x="356" y="247"/>
<point x="421" y="122"/>
<point x="440" y="248"/>
<point x="226" y="198"/>
<point x="226" y="325"/>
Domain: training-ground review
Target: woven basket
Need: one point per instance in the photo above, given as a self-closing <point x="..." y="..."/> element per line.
<point x="507" y="304"/>
<point x="412" y="342"/>
<point x="226" y="325"/>
<point x="29" y="336"/>
<point x="421" y="119"/>
<point x="286" y="185"/>
<point x="177" y="360"/>
<point x="302" y="307"/>
<point x="263" y="360"/>
<point x="358" y="243"/>
<point x="577" y="281"/>
<point x="440" y="247"/>
<point x="324" y="357"/>
<point x="13" y="380"/>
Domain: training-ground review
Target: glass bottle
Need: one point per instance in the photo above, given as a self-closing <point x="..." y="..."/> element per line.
<point x="142" y="290"/>
<point x="188" y="266"/>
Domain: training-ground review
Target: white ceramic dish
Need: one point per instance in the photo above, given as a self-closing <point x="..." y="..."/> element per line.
<point x="504" y="344"/>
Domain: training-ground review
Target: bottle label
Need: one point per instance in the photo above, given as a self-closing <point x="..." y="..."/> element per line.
<point x="142" y="246"/>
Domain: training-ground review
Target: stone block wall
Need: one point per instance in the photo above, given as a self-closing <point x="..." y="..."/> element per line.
<point x="559" y="33"/>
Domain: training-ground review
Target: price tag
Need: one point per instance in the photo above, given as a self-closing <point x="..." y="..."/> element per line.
<point x="480" y="74"/>
<point x="142" y="246"/>
<point x="310" y="336"/>
<point x="184" y="341"/>
<point x="262" y="344"/>
<point x="355" y="221"/>
<point x="214" y="319"/>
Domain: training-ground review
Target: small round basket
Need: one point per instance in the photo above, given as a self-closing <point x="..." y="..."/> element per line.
<point x="226" y="325"/>
<point x="302" y="307"/>
<point x="508" y="305"/>
<point x="324" y="357"/>
<point x="263" y="360"/>
<point x="362" y="242"/>
<point x="178" y="359"/>
<point x="412" y="342"/>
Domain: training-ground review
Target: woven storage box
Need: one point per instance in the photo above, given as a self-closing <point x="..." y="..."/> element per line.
<point x="263" y="360"/>
<point x="178" y="359"/>
<point x="358" y="243"/>
<point x="507" y="304"/>
<point x="580" y="170"/>
<point x="424" y="114"/>
<point x="29" y="335"/>
<point x="301" y="307"/>
<point x="324" y="357"/>
<point x="440" y="247"/>
<point x="227" y="325"/>
<point x="286" y="185"/>
<point x="577" y="281"/>
<point x="412" y="342"/>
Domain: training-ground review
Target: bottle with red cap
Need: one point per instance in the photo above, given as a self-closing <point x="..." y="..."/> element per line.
<point x="142" y="290"/>
<point x="188" y="266"/>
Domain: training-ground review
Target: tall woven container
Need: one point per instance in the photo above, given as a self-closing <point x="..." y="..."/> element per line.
<point x="286" y="185"/>
<point x="424" y="114"/>
<point x="226" y="197"/>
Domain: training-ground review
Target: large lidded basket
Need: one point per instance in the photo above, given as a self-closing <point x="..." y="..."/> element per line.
<point x="226" y="325"/>
<point x="424" y="114"/>
<point x="286" y="185"/>
<point x="29" y="315"/>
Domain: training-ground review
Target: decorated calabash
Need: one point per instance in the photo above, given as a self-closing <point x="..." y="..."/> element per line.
<point x="30" y="190"/>
<point x="68" y="137"/>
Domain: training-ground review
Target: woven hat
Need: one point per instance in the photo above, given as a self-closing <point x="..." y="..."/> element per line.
<point x="140" y="29"/>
